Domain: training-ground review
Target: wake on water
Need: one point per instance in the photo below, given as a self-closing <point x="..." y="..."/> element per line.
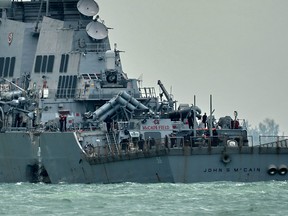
<point x="218" y="198"/>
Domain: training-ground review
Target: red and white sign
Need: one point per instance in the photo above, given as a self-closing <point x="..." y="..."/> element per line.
<point x="10" y="38"/>
<point x="156" y="125"/>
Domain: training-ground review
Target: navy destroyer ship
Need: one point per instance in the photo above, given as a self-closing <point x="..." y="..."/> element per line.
<point x="69" y="113"/>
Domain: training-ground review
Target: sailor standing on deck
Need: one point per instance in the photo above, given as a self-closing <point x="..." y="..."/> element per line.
<point x="191" y="119"/>
<point x="62" y="121"/>
<point x="141" y="143"/>
<point x="204" y="120"/>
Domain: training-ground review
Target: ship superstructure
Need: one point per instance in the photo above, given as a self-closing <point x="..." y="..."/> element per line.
<point x="64" y="58"/>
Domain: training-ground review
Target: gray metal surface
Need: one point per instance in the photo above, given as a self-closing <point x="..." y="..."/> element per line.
<point x="182" y="165"/>
<point x="18" y="157"/>
<point x="69" y="113"/>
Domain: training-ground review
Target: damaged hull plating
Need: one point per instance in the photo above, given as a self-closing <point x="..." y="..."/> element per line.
<point x="18" y="158"/>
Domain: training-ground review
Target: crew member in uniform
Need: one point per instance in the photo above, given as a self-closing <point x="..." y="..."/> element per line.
<point x="63" y="122"/>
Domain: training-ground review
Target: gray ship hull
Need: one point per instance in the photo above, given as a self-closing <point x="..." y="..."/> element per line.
<point x="18" y="157"/>
<point x="64" y="161"/>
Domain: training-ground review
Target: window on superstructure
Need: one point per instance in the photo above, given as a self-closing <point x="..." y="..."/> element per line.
<point x="85" y="76"/>
<point x="66" y="86"/>
<point x="38" y="64"/>
<point x="64" y="63"/>
<point x="12" y="66"/>
<point x="50" y="63"/>
<point x="1" y="66"/>
<point x="93" y="76"/>
<point x="6" y="68"/>
<point x="44" y="64"/>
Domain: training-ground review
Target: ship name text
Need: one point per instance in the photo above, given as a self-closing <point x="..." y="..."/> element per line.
<point x="228" y="169"/>
<point x="155" y="127"/>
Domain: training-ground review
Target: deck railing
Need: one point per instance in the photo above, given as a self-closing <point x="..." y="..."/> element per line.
<point x="174" y="145"/>
<point x="273" y="141"/>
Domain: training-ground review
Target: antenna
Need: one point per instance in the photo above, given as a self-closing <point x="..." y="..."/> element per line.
<point x="140" y="80"/>
<point x="88" y="7"/>
<point x="97" y="30"/>
<point x="38" y="17"/>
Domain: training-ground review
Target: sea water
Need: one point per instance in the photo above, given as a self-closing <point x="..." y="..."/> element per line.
<point x="218" y="198"/>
